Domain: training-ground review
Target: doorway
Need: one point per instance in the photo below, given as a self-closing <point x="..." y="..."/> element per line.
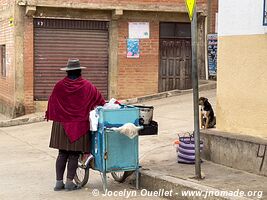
<point x="175" y="56"/>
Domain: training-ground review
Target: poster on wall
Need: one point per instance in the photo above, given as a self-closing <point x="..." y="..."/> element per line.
<point x="265" y="12"/>
<point x="212" y="54"/>
<point x="133" y="48"/>
<point x="139" y="30"/>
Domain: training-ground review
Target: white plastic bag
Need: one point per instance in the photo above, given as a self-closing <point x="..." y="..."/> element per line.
<point x="111" y="104"/>
<point x="128" y="129"/>
<point x="93" y="118"/>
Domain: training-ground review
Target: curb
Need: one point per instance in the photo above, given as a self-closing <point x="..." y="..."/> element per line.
<point x="39" y="117"/>
<point x="155" y="181"/>
<point x="208" y="85"/>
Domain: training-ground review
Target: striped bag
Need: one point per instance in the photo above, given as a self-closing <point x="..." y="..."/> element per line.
<point x="186" y="149"/>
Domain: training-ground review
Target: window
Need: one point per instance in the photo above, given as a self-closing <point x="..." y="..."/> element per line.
<point x="3" y="60"/>
<point x="175" y="30"/>
<point x="265" y="12"/>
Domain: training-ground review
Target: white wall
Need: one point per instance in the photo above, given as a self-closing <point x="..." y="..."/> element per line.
<point x="240" y="17"/>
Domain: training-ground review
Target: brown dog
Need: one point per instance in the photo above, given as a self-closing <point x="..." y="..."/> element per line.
<point x="207" y="117"/>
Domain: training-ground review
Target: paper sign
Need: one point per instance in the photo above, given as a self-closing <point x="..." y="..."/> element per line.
<point x="190" y="4"/>
<point x="212" y="54"/>
<point x="139" y="30"/>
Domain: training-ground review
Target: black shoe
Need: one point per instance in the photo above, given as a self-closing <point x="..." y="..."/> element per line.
<point x="69" y="186"/>
<point x="59" y="186"/>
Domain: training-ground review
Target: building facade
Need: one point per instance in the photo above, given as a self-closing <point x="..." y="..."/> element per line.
<point x="242" y="74"/>
<point x="38" y="37"/>
<point x="212" y="20"/>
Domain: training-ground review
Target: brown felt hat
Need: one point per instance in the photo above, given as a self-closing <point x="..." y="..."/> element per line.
<point x="72" y="65"/>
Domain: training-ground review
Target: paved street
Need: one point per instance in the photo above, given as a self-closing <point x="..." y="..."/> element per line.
<point x="27" y="167"/>
<point x="27" y="164"/>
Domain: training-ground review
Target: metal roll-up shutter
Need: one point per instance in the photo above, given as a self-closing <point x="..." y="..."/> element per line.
<point x="55" y="41"/>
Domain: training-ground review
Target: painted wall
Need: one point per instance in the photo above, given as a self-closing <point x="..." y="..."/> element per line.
<point x="240" y="17"/>
<point x="7" y="84"/>
<point x="242" y="74"/>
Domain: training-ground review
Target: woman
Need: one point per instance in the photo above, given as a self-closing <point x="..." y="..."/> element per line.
<point x="69" y="105"/>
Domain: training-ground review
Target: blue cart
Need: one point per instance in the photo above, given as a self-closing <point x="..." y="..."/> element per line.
<point x="112" y="152"/>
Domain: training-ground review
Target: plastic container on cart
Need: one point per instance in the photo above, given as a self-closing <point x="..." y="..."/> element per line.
<point x="146" y="114"/>
<point x="112" y="151"/>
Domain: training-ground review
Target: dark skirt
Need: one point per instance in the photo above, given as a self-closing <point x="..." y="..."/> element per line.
<point x="60" y="140"/>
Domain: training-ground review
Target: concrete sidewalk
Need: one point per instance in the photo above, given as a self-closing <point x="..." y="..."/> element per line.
<point x="159" y="159"/>
<point x="160" y="170"/>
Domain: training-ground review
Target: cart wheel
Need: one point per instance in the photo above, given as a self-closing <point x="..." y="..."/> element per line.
<point x="82" y="173"/>
<point x="121" y="176"/>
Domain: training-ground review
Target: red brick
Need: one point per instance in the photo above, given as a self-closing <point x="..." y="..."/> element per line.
<point x="7" y="84"/>
<point x="138" y="76"/>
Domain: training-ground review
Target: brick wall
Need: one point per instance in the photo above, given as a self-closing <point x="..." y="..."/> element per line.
<point x="28" y="65"/>
<point x="138" y="76"/>
<point x="214" y="10"/>
<point x="7" y="85"/>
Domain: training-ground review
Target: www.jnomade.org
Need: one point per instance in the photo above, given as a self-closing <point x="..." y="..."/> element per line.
<point x="169" y="193"/>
